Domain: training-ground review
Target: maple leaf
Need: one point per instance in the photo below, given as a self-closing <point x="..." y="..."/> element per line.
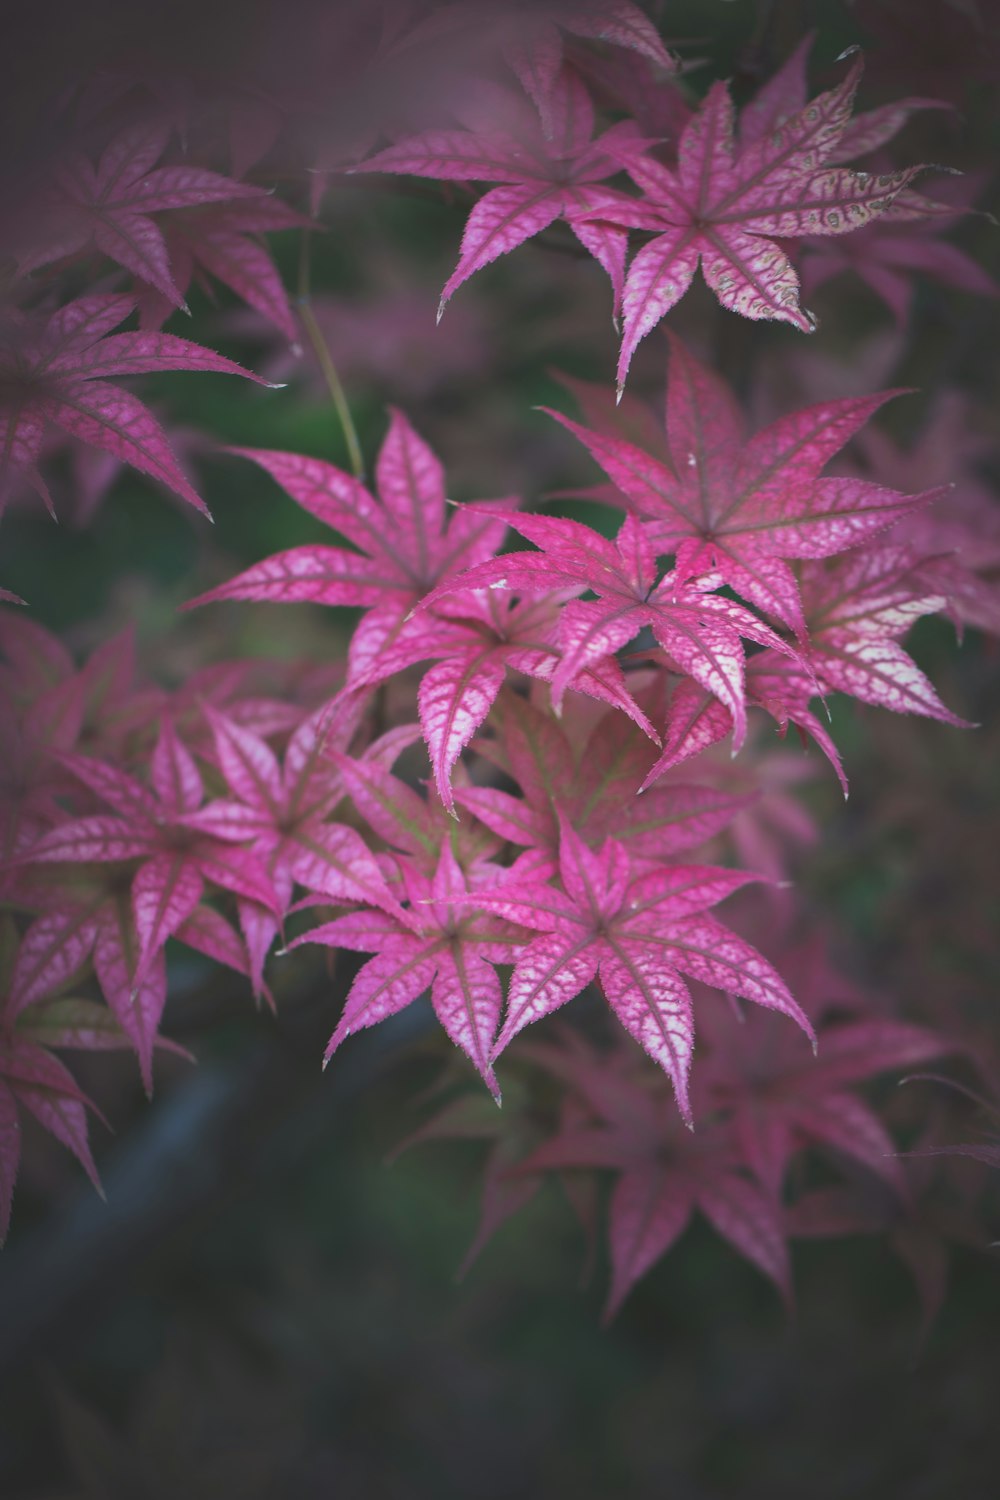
<point x="785" y="691"/>
<point x="594" y="787"/>
<point x="282" y="809"/>
<point x="535" y="50"/>
<point x="780" y="685"/>
<point x="724" y="504"/>
<point x="110" y="206"/>
<point x="30" y="779"/>
<point x="664" y="1174"/>
<point x="639" y="934"/>
<point x="957" y="541"/>
<point x="786" y="94"/>
<point x="170" y="861"/>
<point x="449" y="948"/>
<point x="770" y="825"/>
<point x="222" y="240"/>
<point x="405" y="540"/>
<point x="408" y="822"/>
<point x="32" y="1079"/>
<point x="697" y="628"/>
<point x="726" y="206"/>
<point x="638" y="87"/>
<point x="530" y="38"/>
<point x="779" y="1098"/>
<point x="885" y="254"/>
<point x="856" y="609"/>
<point x="55" y="370"/>
<point x="545" y="175"/>
<point x="484" y="635"/>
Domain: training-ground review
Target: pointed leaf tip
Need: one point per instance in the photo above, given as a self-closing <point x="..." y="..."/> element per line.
<point x="850" y="51"/>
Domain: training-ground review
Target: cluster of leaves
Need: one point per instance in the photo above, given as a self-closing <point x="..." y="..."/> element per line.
<point x="568" y="697"/>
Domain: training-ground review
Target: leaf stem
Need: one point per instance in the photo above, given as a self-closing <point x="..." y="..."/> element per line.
<point x="322" y="351"/>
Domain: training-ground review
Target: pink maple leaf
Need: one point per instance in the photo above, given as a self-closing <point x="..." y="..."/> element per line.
<point x="664" y="1174"/>
<point x="31" y="1079"/>
<point x="857" y="608"/>
<point x="957" y="539"/>
<point x="594" y="786"/>
<point x="55" y="370"/>
<point x="31" y="780"/>
<point x="223" y="240"/>
<point x="482" y="636"/>
<point x="110" y="206"/>
<point x="534" y="47"/>
<point x="782" y="685"/>
<point x="739" y="507"/>
<point x="405" y="541"/>
<point x="726" y="206"/>
<point x="786" y="94"/>
<point x="779" y="1098"/>
<point x="698" y="629"/>
<point x="638" y="934"/>
<point x="283" y="810"/>
<point x="531" y="37"/>
<point x="415" y="825"/>
<point x="544" y="176"/>
<point x="449" y="948"/>
<point x="31" y="1024"/>
<point x="127" y="923"/>
<point x="886" y="254"/>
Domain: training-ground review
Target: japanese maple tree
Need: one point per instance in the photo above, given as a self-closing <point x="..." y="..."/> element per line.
<point x="539" y="747"/>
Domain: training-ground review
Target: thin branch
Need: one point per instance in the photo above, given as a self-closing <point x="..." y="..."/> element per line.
<point x="322" y="351"/>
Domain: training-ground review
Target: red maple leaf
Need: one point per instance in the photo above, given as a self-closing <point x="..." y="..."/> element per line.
<point x="739" y="507"/>
<point x="110" y="206"/>
<point x="726" y="206"/>
<point x="482" y="635"/>
<point x="34" y="1018"/>
<point x="594" y="786"/>
<point x="449" y="947"/>
<point x="160" y="867"/>
<point x="956" y="540"/>
<point x="664" y="1174"/>
<point x="534" y="46"/>
<point x="409" y="823"/>
<point x="405" y="541"/>
<point x="32" y="1079"/>
<point x="545" y="174"/>
<point x="55" y="370"/>
<point x="779" y="1098"/>
<point x="698" y="629"/>
<point x="639" y="933"/>
<point x="857" y="608"/>
<point x="282" y="809"/>
<point x="222" y="240"/>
